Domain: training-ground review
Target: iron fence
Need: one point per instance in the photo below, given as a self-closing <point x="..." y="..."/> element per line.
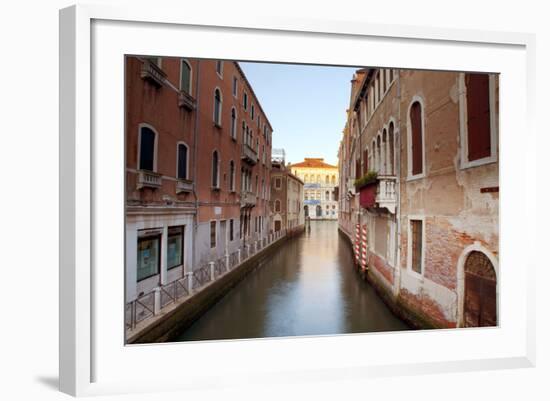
<point x="219" y="266"/>
<point x="201" y="276"/>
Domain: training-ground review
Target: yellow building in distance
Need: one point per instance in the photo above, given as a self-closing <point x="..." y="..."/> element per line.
<point x="320" y="193"/>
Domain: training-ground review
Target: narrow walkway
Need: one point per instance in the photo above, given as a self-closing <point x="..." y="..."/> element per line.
<point x="308" y="287"/>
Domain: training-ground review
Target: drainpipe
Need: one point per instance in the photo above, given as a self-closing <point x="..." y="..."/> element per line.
<point x="397" y="252"/>
<point x="195" y="151"/>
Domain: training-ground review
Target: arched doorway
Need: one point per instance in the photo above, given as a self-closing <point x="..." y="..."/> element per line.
<point x="480" y="291"/>
<point x="318" y="211"/>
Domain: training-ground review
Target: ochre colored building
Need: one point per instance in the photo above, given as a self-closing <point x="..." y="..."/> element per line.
<point x="320" y="188"/>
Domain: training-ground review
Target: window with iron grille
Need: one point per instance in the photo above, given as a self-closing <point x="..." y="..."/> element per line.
<point x="416" y="246"/>
<point x="213" y="234"/>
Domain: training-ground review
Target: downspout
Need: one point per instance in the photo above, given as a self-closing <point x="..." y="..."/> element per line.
<point x="397" y="253"/>
<point x="195" y="151"/>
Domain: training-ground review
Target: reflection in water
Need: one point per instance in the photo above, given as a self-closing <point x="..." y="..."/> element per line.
<point x="307" y="287"/>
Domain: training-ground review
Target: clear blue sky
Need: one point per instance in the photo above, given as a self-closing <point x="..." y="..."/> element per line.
<point x="305" y="104"/>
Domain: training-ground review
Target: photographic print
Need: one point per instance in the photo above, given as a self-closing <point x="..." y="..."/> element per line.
<point x="278" y="200"/>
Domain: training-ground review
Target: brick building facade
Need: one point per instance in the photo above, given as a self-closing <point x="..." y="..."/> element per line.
<point x="419" y="171"/>
<point x="198" y="163"/>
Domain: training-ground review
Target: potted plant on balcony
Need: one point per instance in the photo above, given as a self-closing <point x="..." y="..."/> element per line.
<point x="366" y="186"/>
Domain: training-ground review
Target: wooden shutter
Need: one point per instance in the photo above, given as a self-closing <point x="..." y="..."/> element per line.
<point x="147" y="149"/>
<point x="182" y="161"/>
<point x="416" y="137"/>
<point x="478" y="110"/>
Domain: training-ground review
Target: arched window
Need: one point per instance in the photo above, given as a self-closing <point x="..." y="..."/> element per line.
<point x="233" y="123"/>
<point x="384" y="147"/>
<point x="327" y="196"/>
<point x="217" y="107"/>
<point x="319" y="178"/>
<point x="378" y="156"/>
<point x="182" y="161"/>
<point x="327" y="180"/>
<point x="392" y="148"/>
<point x="374" y="156"/>
<point x="147" y="139"/>
<point x="185" y="77"/>
<point x="244" y="132"/>
<point x="215" y="170"/>
<point x="416" y="146"/>
<point x="277" y="205"/>
<point x="333" y="179"/>
<point x="232" y="175"/>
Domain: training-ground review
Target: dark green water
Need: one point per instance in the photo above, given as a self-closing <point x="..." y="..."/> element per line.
<point x="307" y="287"/>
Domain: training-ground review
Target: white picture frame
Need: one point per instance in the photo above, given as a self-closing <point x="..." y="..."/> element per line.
<point x="93" y="358"/>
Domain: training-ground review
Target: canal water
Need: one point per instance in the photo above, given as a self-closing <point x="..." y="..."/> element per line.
<point x="306" y="287"/>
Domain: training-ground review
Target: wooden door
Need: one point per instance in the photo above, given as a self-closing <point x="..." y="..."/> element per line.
<point x="480" y="291"/>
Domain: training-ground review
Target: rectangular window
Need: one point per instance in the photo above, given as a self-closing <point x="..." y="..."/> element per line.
<point x="235" y="86"/>
<point x="175" y="247"/>
<point x="231" y="230"/>
<point x="148" y="257"/>
<point x="252" y="112"/>
<point x="219" y="67"/>
<point x="278" y="183"/>
<point x="478" y="111"/>
<point x="245" y="101"/>
<point x="213" y="234"/>
<point x="182" y="161"/>
<point x="416" y="246"/>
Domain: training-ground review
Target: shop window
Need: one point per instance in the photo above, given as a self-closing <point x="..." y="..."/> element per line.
<point x="148" y="258"/>
<point x="175" y="247"/>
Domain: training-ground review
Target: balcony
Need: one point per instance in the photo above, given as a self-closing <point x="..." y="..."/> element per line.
<point x="379" y="194"/>
<point x="186" y="101"/>
<point x="386" y="195"/>
<point x="248" y="199"/>
<point x="152" y="73"/>
<point x="249" y="155"/>
<point x="184" y="186"/>
<point x="148" y="179"/>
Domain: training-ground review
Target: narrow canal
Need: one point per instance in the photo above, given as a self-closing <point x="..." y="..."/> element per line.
<point x="307" y="287"/>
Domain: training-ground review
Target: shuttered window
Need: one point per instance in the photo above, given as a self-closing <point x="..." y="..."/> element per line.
<point x="215" y="167"/>
<point x="212" y="234"/>
<point x="478" y="111"/>
<point x="416" y="248"/>
<point x="185" y="77"/>
<point x="182" y="161"/>
<point x="217" y="107"/>
<point x="147" y="149"/>
<point x="416" y="138"/>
